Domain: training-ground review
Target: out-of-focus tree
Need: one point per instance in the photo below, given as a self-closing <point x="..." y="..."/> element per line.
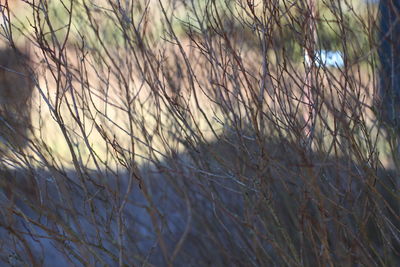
<point x="15" y="99"/>
<point x="389" y="54"/>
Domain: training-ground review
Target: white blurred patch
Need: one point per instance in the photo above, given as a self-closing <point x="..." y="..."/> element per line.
<point x="326" y="58"/>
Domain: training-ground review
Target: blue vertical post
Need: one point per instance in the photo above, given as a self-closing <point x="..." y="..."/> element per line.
<point x="389" y="55"/>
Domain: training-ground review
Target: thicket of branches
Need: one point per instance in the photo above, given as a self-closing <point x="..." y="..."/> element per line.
<point x="196" y="133"/>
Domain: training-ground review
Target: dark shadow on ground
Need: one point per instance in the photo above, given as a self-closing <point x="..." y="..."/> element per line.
<point x="221" y="204"/>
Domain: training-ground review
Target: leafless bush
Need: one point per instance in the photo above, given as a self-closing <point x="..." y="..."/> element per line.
<point x="200" y="133"/>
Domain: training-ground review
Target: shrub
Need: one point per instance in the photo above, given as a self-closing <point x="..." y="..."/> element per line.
<point x="184" y="133"/>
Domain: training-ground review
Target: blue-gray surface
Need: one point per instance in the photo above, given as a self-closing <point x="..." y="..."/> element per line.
<point x="198" y="195"/>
